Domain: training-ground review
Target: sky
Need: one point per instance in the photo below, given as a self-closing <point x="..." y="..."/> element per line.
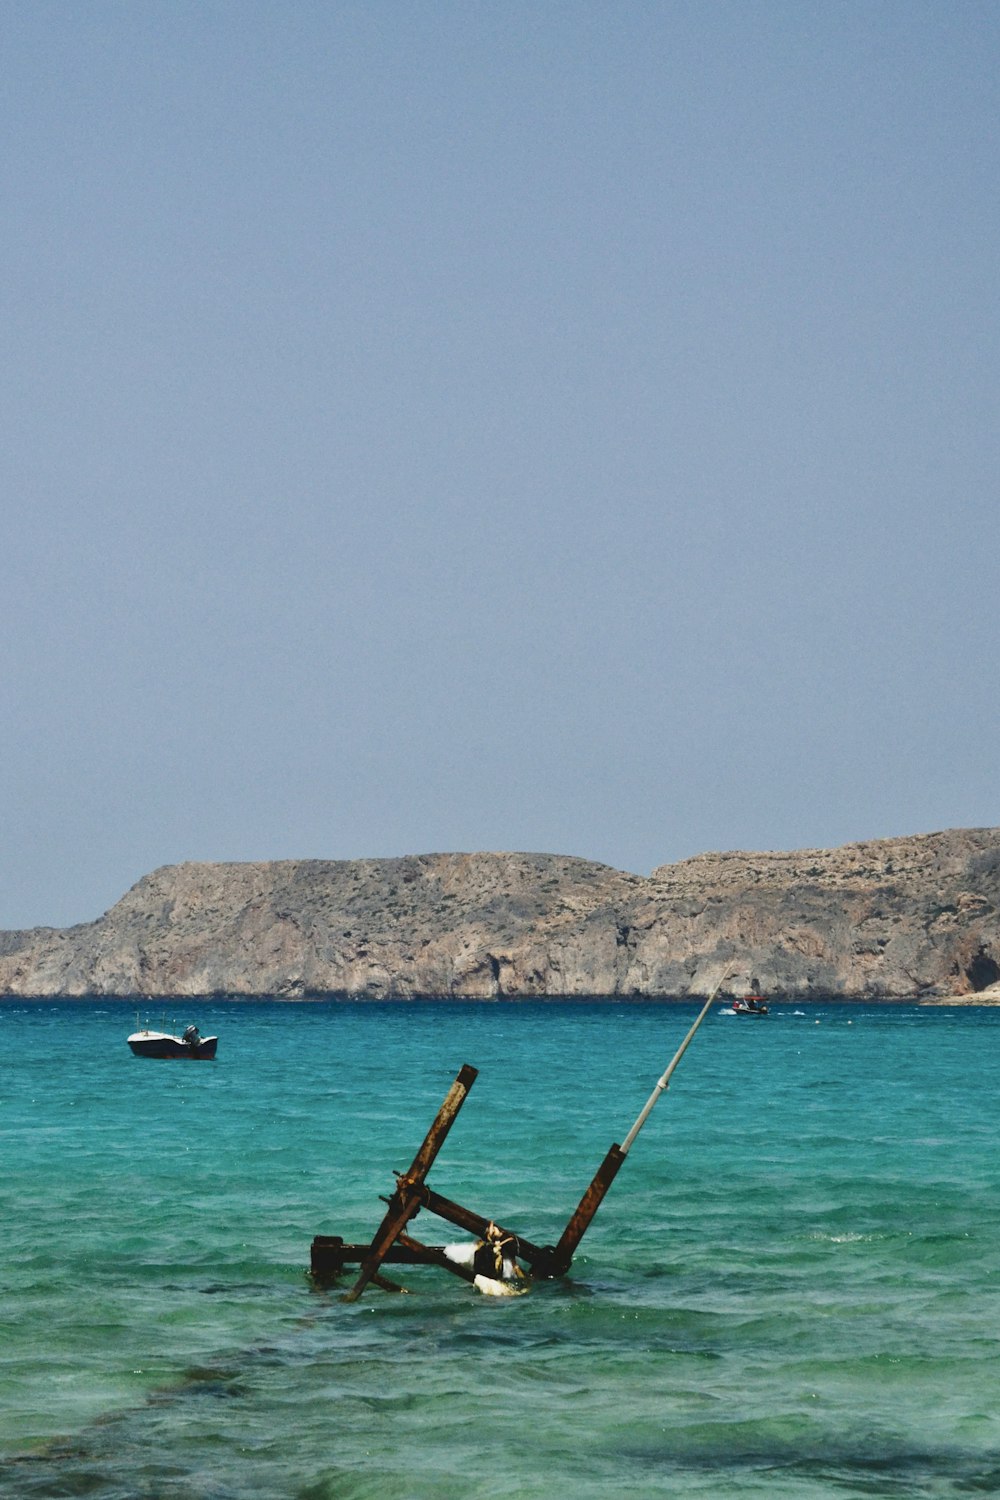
<point x="565" y="427"/>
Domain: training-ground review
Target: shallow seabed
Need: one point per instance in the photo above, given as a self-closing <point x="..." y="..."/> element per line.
<point x="791" y="1290"/>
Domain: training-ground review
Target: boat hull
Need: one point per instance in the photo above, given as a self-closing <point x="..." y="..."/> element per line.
<point x="751" y="1005"/>
<point x="161" y="1044"/>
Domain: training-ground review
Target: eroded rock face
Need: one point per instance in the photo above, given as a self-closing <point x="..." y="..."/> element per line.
<point x="894" y="918"/>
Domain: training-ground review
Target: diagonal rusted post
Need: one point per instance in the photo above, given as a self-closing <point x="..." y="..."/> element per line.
<point x="562" y="1255"/>
<point x="405" y="1201"/>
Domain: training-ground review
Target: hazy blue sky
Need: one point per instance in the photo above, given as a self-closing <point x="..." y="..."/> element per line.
<point x="564" y="427"/>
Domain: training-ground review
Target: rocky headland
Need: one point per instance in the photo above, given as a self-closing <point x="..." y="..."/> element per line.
<point x="907" y="918"/>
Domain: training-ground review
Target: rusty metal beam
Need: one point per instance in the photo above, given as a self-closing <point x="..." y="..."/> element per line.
<point x="405" y="1202"/>
<point x="330" y="1256"/>
<point x="433" y="1255"/>
<point x="386" y="1285"/>
<point x="585" y="1210"/>
<point x="464" y="1218"/>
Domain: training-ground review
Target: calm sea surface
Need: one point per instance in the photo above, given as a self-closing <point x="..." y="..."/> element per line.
<point x="790" y="1291"/>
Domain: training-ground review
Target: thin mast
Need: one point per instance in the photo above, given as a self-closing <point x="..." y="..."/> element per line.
<point x="562" y="1254"/>
<point x="664" y="1082"/>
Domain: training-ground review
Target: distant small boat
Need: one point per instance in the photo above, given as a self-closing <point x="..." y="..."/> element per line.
<point x="750" y="1005"/>
<point x="161" y="1044"/>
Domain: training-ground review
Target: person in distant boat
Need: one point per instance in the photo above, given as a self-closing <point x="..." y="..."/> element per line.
<point x="192" y="1036"/>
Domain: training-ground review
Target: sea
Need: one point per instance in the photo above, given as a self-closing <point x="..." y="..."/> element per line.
<point x="792" y="1289"/>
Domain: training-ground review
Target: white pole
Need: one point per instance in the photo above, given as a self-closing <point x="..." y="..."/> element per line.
<point x="664" y="1082"/>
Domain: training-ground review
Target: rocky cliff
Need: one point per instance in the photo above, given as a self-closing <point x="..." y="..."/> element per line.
<point x="910" y="917"/>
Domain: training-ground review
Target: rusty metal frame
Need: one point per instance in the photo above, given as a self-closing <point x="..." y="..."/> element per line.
<point x="392" y="1244"/>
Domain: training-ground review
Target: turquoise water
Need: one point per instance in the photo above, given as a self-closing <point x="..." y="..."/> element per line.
<point x="790" y="1291"/>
